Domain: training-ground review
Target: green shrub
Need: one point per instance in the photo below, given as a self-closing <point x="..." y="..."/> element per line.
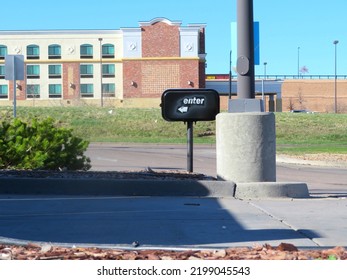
<point x="40" y="145"/>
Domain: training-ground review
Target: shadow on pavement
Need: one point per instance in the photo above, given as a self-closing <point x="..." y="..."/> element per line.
<point x="170" y="220"/>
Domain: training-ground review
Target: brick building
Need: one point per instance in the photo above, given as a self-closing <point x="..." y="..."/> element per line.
<point x="125" y="67"/>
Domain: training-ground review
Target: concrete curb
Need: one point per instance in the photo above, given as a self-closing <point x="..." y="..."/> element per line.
<point x="119" y="187"/>
<point x="115" y="187"/>
<point x="261" y="190"/>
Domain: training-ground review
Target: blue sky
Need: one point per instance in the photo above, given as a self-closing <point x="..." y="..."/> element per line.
<point x="285" y="25"/>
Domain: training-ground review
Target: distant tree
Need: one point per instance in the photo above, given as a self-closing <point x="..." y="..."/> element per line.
<point x="291" y="104"/>
<point x="303" y="70"/>
<point x="301" y="99"/>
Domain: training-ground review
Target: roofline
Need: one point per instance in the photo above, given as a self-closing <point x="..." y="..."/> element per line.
<point x="160" y="19"/>
<point x="60" y="32"/>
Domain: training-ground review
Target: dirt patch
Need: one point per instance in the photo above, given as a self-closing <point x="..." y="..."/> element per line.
<point x="338" y="158"/>
<point x="333" y="160"/>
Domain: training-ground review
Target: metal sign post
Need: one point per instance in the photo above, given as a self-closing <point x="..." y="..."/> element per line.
<point x="14" y="70"/>
<point x="190" y="146"/>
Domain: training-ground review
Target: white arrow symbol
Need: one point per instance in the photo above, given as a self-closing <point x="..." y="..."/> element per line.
<point x="183" y="109"/>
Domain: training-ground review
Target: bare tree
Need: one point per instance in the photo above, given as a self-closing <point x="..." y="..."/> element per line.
<point x="303" y="70"/>
<point x="301" y="99"/>
<point x="291" y="104"/>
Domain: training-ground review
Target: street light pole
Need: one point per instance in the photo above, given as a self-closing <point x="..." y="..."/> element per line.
<point x="262" y="84"/>
<point x="230" y="76"/>
<point x="335" y="84"/>
<point x="245" y="50"/>
<point x="298" y="62"/>
<point x="101" y="91"/>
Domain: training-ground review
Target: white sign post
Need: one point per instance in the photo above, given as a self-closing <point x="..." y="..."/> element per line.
<point x="14" y="70"/>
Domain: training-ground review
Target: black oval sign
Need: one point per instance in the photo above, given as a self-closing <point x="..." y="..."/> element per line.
<point x="190" y="104"/>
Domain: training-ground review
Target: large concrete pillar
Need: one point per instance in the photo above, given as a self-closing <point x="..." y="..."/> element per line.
<point x="246" y="147"/>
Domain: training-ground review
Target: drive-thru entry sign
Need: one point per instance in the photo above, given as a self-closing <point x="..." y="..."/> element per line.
<point x="190" y="105"/>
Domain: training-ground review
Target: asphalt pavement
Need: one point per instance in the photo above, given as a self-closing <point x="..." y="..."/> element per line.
<point x="322" y="178"/>
<point x="208" y="220"/>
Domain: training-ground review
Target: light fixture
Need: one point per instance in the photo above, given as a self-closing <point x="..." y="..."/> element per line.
<point x="132" y="83"/>
<point x="190" y="83"/>
<point x="72" y="86"/>
<point x="18" y="86"/>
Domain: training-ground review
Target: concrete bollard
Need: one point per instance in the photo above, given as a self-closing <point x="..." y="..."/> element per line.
<point x="246" y="147"/>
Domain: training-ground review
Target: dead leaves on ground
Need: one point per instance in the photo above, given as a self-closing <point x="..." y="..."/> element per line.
<point x="284" y="251"/>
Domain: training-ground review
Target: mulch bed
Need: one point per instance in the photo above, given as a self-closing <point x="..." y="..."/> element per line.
<point x="147" y="174"/>
<point x="284" y="251"/>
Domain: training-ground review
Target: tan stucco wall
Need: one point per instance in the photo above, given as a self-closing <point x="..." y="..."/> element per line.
<point x="314" y="95"/>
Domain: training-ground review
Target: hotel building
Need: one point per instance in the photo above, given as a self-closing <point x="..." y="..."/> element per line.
<point x="128" y="67"/>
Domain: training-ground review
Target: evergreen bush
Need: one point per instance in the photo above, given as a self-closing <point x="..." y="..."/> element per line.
<point x="40" y="145"/>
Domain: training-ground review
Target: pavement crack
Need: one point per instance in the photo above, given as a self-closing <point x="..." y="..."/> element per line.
<point x="282" y="221"/>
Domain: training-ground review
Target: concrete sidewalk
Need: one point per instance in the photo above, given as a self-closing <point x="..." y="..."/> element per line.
<point x="172" y="222"/>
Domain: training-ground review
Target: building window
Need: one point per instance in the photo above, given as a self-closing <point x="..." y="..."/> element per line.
<point x="86" y="70"/>
<point x="3" y="91"/>
<point x="108" y="51"/>
<point x="33" y="91"/>
<point x="3" y="51"/>
<point x="2" y="71"/>
<point x="33" y="71"/>
<point x="54" y="71"/>
<point x="109" y="90"/>
<point x="33" y="52"/>
<point x="54" y="91"/>
<point x="108" y="70"/>
<point x="86" y="51"/>
<point x="87" y="90"/>
<point x="54" y="52"/>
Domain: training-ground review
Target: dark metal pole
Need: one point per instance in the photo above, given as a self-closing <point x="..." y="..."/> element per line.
<point x="298" y="62"/>
<point x="335" y="82"/>
<point x="14" y="95"/>
<point x="190" y="146"/>
<point x="245" y="50"/>
<point x="230" y="75"/>
<point x="101" y="91"/>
